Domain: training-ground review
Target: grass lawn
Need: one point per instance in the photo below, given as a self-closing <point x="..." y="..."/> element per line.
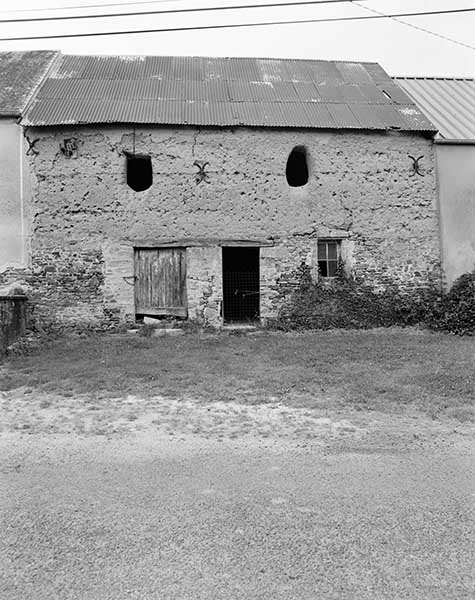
<point x="386" y="370"/>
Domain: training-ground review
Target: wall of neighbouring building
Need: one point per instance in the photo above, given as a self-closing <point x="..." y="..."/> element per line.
<point x="11" y="232"/>
<point x="85" y="220"/>
<point x="456" y="172"/>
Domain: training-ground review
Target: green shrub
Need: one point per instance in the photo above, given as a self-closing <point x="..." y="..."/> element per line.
<point x="456" y="310"/>
<point x="347" y="303"/>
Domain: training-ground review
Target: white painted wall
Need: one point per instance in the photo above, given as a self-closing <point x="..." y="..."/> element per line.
<point x="456" y="173"/>
<point x="12" y="251"/>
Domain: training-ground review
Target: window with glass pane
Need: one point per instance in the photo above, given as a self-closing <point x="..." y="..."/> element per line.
<point x="328" y="257"/>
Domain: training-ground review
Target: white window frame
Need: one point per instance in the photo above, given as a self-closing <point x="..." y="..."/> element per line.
<point x="327" y="260"/>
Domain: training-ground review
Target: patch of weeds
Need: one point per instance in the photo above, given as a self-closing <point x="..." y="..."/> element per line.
<point x="347" y="303"/>
<point x="464" y="414"/>
<point x="9" y="382"/>
<point x="350" y="304"/>
<point x="49" y="386"/>
<point x="456" y="310"/>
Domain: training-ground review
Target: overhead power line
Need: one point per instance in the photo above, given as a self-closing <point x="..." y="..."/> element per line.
<point x="417" y="27"/>
<point x="110" y="4"/>
<point x="235" y="25"/>
<point x="82" y="6"/>
<point x="173" y="11"/>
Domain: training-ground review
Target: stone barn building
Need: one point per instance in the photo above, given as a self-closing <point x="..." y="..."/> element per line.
<point x="196" y="187"/>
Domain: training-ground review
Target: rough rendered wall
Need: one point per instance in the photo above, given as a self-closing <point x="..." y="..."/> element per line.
<point x="360" y="189"/>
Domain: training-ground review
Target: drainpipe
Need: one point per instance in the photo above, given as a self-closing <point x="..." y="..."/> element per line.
<point x="22" y="208"/>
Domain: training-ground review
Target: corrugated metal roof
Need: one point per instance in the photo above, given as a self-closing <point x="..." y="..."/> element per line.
<point x="20" y="73"/>
<point x="448" y="103"/>
<point x="180" y="90"/>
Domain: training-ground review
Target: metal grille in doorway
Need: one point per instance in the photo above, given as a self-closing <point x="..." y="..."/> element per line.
<point x="241" y="296"/>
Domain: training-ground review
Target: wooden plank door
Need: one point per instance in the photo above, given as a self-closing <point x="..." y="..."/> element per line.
<point x="160" y="281"/>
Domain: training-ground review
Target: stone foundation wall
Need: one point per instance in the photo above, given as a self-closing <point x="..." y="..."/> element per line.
<point x="85" y="220"/>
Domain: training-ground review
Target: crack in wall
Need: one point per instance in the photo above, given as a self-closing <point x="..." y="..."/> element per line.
<point x="195" y="141"/>
<point x="349" y="212"/>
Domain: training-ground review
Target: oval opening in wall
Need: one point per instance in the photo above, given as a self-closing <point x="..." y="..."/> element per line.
<point x="297" y="167"/>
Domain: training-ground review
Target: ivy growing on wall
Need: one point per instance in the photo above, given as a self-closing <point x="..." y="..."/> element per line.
<point x="347" y="303"/>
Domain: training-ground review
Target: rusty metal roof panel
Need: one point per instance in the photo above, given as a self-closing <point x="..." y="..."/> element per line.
<point x="341" y="114"/>
<point x="254" y="91"/>
<point x="330" y="93"/>
<point x="319" y="116"/>
<point x="20" y="76"/>
<point x="214" y="69"/>
<point x="242" y="69"/>
<point x="70" y="67"/>
<point x="306" y="91"/>
<point x="189" y="69"/>
<point x="366" y="116"/>
<point x="376" y="72"/>
<point x="390" y="116"/>
<point x="249" y="113"/>
<point x="201" y="113"/>
<point x="220" y="92"/>
<point x="272" y="70"/>
<point x="394" y="93"/>
<point x="285" y="91"/>
<point x="178" y="68"/>
<point x="164" y="112"/>
<point x="154" y="67"/>
<point x="373" y="94"/>
<point x="210" y="91"/>
<point x="109" y="67"/>
<point x="354" y="73"/>
<point x="299" y="70"/>
<point x="325" y="73"/>
<point x="291" y="112"/>
<point x="413" y="117"/>
<point x="352" y="94"/>
<point x="448" y="103"/>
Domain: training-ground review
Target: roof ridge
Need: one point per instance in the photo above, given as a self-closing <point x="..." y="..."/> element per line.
<point x="54" y="60"/>
<point x="432" y="78"/>
<point x="277" y="58"/>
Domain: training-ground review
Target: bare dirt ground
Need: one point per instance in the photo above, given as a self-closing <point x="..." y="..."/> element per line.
<point x="119" y="491"/>
<point x="165" y="499"/>
<point x="28" y="412"/>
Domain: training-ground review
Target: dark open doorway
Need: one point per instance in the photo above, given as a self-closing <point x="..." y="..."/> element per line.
<point x="240" y="284"/>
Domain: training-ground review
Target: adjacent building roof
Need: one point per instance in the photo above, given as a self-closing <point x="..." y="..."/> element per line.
<point x="223" y="92"/>
<point x="448" y="103"/>
<point x="20" y="74"/>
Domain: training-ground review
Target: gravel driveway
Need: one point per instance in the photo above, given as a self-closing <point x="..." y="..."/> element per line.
<point x="203" y="501"/>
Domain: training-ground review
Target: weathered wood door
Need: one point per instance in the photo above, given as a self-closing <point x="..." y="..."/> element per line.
<point x="160" y="281"/>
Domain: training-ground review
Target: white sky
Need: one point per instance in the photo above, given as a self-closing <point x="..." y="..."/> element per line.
<point x="399" y="49"/>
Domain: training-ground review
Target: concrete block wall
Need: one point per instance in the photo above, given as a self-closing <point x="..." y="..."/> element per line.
<point x="86" y="221"/>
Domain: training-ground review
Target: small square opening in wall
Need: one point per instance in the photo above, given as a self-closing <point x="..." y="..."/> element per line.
<point x="329" y="256"/>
